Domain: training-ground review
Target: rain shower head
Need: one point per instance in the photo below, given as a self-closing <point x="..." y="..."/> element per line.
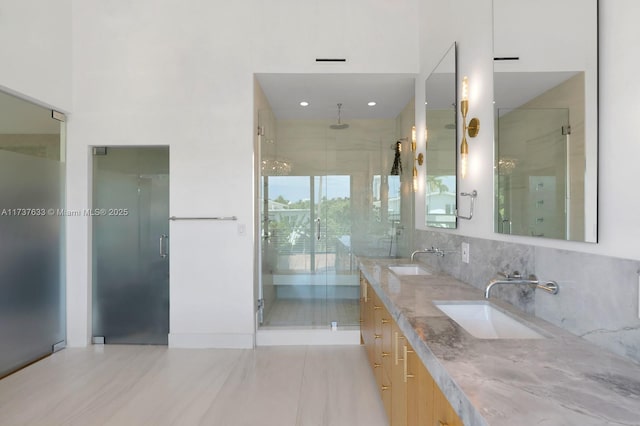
<point x="339" y="126"/>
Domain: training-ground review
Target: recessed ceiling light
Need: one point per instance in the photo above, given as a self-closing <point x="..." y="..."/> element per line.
<point x="371" y="103"/>
<point x="304" y="103"/>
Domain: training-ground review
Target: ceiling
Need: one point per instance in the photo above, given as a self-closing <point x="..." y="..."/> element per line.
<point x="391" y="92"/>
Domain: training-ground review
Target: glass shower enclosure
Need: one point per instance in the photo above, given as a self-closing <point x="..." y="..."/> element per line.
<point x="32" y="220"/>
<point x="326" y="197"/>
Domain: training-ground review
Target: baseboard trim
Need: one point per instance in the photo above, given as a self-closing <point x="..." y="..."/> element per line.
<point x="210" y="340"/>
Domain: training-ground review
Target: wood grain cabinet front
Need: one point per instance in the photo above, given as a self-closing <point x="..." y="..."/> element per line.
<point x="399" y="391"/>
<point x="409" y="394"/>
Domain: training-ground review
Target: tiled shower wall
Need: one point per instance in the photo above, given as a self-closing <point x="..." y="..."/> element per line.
<point x="598" y="297"/>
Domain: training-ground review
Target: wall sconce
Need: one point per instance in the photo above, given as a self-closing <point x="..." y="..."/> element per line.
<point x="419" y="159"/>
<point x="472" y="128"/>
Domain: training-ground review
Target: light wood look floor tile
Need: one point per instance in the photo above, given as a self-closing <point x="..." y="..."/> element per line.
<point x="312" y="312"/>
<point x="338" y="389"/>
<point x="154" y="385"/>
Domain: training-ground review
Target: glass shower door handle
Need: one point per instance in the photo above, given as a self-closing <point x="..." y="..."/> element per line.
<point x="163" y="246"/>
<point x="318" y="228"/>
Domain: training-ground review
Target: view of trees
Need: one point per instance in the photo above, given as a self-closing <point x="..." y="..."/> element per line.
<point x="295" y="229"/>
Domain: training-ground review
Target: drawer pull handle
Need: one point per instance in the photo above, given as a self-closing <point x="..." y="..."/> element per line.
<point x="377" y="307"/>
<point x="384" y="388"/>
<point x="406" y="374"/>
<point x="377" y="336"/>
<point x="396" y="348"/>
<point x="384" y="321"/>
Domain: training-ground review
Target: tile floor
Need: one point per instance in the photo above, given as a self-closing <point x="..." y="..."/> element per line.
<point x="153" y="385"/>
<point x="312" y="312"/>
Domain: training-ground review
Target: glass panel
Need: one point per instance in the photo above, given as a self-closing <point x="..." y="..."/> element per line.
<point x="130" y="253"/>
<point x="441" y="169"/>
<point x="345" y="175"/>
<point x="32" y="306"/>
<point x="544" y="61"/>
<point x="440" y="101"/>
<point x="289" y="256"/>
<point x="333" y="250"/>
<point x="387" y="203"/>
<point x="533" y="173"/>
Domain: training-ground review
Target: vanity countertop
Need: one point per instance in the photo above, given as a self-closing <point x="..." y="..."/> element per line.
<point x="560" y="380"/>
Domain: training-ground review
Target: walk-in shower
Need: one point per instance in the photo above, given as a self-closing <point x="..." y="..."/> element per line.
<point x="334" y="201"/>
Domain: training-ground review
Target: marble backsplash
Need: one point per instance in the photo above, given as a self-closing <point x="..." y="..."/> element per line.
<point x="598" y="297"/>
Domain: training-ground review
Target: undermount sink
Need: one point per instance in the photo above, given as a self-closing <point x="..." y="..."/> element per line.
<point x="409" y="270"/>
<point x="484" y="321"/>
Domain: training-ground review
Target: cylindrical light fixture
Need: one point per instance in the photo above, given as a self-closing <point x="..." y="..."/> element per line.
<point x="471" y="129"/>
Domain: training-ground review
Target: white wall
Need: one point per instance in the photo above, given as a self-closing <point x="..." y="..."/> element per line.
<point x="36" y="51"/>
<point x="181" y="74"/>
<point x="169" y="73"/>
<point x="470" y="26"/>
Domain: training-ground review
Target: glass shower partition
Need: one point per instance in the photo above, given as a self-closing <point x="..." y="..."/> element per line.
<point x="32" y="220"/>
<point x="326" y="198"/>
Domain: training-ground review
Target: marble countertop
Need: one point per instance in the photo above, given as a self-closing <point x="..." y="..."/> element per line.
<point x="559" y="380"/>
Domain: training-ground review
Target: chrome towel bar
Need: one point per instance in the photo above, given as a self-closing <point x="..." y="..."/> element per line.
<point x="204" y="218"/>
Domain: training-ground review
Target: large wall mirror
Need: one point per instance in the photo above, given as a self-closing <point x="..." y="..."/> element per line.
<point x="546" y="118"/>
<point x="440" y="105"/>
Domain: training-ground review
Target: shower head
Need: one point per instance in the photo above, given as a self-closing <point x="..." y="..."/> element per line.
<point x="339" y="126"/>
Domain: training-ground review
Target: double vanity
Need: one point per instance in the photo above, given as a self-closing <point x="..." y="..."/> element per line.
<point x="486" y="362"/>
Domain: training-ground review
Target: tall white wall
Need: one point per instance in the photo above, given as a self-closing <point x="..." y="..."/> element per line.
<point x="181" y="74"/>
<point x="169" y="73"/>
<point x="471" y="27"/>
<point x="35" y="49"/>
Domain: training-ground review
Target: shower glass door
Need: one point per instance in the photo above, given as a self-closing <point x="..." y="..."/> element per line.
<point x="309" y="277"/>
<point x="334" y="261"/>
<point x="326" y="196"/>
<point x="131" y="245"/>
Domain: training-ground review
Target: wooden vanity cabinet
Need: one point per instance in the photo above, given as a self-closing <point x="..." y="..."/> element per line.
<point x="366" y="314"/>
<point x="409" y="394"/>
<point x="399" y="405"/>
<point x="420" y="387"/>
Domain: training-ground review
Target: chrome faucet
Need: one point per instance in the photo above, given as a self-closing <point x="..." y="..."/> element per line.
<point x="433" y="250"/>
<point x="516" y="278"/>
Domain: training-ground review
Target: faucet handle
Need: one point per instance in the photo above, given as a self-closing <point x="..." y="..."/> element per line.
<point x="515" y="276"/>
